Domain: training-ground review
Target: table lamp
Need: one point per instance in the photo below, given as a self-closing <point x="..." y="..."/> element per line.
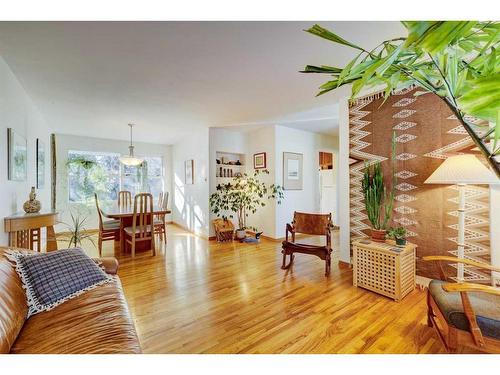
<point x="462" y="170"/>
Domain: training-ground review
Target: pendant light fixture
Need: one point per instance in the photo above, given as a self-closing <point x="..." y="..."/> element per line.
<point x="130" y="159"/>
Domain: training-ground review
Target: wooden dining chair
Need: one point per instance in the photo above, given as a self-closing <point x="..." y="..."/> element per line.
<point x="108" y="230"/>
<point x="124" y="198"/>
<point x="142" y="223"/>
<point x="464" y="314"/>
<point x="314" y="224"/>
<point x="160" y="219"/>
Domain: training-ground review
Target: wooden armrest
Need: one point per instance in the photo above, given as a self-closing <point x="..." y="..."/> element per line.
<point x="464" y="261"/>
<point x="469" y="287"/>
<point x="110" y="264"/>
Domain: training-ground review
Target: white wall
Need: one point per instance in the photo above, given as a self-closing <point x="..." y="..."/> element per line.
<point x="309" y="145"/>
<point x="263" y="140"/>
<point x="65" y="143"/>
<point x="18" y="112"/>
<point x="344" y="178"/>
<point x="190" y="202"/>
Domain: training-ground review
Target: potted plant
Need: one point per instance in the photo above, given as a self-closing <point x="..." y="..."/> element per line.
<point x="378" y="203"/>
<point x="76" y="232"/>
<point x="242" y="196"/>
<point x="399" y="235"/>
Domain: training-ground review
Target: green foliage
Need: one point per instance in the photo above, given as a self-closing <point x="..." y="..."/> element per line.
<point x="243" y="196"/>
<point x="378" y="202"/>
<point x="456" y="60"/>
<point x="397" y="233"/>
<point x="77" y="232"/>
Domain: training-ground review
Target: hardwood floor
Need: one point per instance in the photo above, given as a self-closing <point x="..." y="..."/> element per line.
<point x="198" y="296"/>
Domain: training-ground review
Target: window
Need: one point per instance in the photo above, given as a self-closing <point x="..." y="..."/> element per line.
<point x="90" y="172"/>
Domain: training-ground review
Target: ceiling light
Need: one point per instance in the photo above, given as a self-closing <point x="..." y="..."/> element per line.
<point x="130" y="159"/>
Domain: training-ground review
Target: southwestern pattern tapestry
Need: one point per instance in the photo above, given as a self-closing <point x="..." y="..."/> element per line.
<point x="426" y="133"/>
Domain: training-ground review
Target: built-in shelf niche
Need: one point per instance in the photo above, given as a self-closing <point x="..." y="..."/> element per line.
<point x="226" y="166"/>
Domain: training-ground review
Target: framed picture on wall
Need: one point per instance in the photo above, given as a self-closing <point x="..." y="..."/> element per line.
<point x="292" y="171"/>
<point x="259" y="160"/>
<point x="189" y="172"/>
<point x="40" y="164"/>
<point x="17" y="156"/>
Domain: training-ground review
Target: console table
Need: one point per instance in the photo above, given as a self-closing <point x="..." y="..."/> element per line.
<point x="25" y="230"/>
<point x="384" y="268"/>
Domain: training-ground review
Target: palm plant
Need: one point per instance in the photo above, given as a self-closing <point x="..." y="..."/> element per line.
<point x="455" y="60"/>
<point x="242" y="196"/>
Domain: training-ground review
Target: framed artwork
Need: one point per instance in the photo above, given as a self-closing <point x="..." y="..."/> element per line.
<point x="17" y="156"/>
<point x="292" y="171"/>
<point x="259" y="160"/>
<point x="40" y="164"/>
<point x="189" y="172"/>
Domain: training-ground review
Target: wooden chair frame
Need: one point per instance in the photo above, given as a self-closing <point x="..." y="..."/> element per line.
<point x="104" y="234"/>
<point x="124" y="198"/>
<point x="452" y="338"/>
<point x="142" y="222"/>
<point x="291" y="247"/>
<point x="161" y="228"/>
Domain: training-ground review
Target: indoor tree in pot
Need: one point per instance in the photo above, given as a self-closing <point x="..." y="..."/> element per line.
<point x="242" y="196"/>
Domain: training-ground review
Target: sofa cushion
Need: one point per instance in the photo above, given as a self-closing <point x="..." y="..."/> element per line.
<point x="53" y="278"/>
<point x="486" y="307"/>
<point x="13" y="306"/>
<point x="96" y="322"/>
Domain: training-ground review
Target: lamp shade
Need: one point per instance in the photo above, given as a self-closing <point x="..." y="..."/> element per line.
<point x="462" y="169"/>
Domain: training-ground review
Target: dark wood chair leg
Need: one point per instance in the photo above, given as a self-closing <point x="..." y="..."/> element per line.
<point x="327" y="264"/>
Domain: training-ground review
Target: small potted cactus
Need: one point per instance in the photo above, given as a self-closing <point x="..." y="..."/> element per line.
<point x="399" y="235"/>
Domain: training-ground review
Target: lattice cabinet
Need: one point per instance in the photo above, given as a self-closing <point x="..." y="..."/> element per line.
<point x="384" y="268"/>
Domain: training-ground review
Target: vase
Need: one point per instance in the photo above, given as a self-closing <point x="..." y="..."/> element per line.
<point x="241" y="234"/>
<point x="401" y="242"/>
<point x="378" y="235"/>
<point x="32" y="205"/>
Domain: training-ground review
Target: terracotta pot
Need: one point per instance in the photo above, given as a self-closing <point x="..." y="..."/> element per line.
<point x="378" y="235"/>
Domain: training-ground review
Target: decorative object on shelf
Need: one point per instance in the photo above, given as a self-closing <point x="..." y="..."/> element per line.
<point x="17" y="156"/>
<point x="462" y="170"/>
<point x="217" y="161"/>
<point x="379" y="203"/>
<point x="259" y="160"/>
<point x="238" y="162"/>
<point x="292" y="171"/>
<point x="243" y="196"/>
<point x="40" y="164"/>
<point x="381" y="269"/>
<point x="130" y="159"/>
<point x="465" y="84"/>
<point x="32" y="205"/>
<point x="189" y="172"/>
<point x="398" y="234"/>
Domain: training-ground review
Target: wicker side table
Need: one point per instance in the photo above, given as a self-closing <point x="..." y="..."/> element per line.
<point x="384" y="268"/>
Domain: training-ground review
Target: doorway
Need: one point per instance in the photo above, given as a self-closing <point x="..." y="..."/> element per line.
<point x="327" y="185"/>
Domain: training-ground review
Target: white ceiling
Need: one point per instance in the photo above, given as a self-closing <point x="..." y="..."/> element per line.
<point x="92" y="78"/>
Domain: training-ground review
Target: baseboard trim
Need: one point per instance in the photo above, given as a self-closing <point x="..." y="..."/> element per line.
<point x="344" y="265"/>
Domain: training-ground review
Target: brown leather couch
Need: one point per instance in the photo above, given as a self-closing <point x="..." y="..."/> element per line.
<point x="98" y="321"/>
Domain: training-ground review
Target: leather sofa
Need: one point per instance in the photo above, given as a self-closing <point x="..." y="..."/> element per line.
<point x="96" y="322"/>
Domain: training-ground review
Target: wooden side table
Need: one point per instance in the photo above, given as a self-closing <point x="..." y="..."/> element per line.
<point x="25" y="230"/>
<point x="384" y="268"/>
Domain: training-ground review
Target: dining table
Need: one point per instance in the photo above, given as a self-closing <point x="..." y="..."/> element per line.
<point x="125" y="214"/>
